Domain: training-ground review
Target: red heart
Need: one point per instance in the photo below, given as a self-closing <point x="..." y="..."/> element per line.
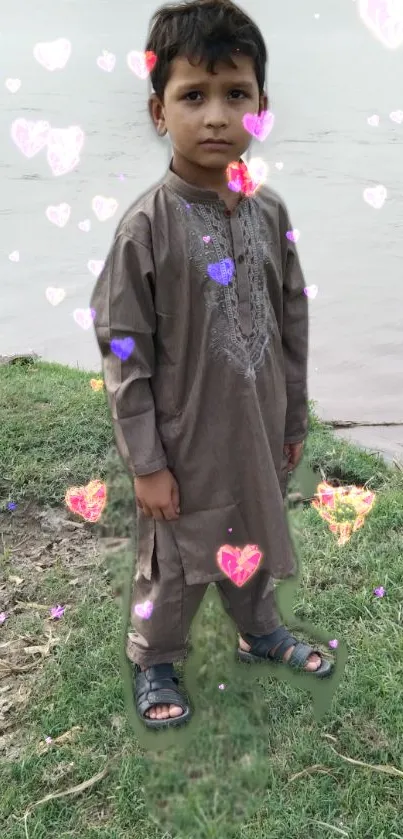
<point x="150" y="59"/>
<point x="88" y="502"/>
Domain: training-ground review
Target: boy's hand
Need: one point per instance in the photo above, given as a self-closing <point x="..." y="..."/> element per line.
<point x="158" y="495"/>
<point x="294" y="453"/>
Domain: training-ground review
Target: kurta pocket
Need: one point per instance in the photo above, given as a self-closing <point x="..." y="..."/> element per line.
<point x="145" y="544"/>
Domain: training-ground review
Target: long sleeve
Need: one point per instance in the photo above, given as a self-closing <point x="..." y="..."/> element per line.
<point x="123" y="302"/>
<point x="294" y="340"/>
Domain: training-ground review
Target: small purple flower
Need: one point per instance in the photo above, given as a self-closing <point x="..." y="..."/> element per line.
<point x="333" y="644"/>
<point x="48" y="740"/>
<point x="3" y="618"/>
<point x="11" y="505"/>
<point x="379" y="592"/>
<point x="57" y="612"/>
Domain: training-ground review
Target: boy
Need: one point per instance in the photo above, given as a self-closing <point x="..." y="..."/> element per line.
<point x="203" y="291"/>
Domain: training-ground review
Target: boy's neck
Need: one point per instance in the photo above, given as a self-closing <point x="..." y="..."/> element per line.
<point x="211" y="179"/>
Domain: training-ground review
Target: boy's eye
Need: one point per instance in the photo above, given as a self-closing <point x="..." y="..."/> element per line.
<point x="193" y="93"/>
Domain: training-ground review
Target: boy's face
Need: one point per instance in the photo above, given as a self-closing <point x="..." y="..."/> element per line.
<point x="200" y="106"/>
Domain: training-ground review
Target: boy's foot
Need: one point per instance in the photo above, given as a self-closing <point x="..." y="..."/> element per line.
<point x="313" y="663"/>
<point x="159" y="702"/>
<point x="282" y="647"/>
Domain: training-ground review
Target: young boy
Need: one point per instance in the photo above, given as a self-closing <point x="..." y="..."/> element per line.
<point x="202" y="322"/>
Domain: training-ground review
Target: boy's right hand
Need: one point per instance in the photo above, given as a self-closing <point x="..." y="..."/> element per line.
<point x="158" y="495"/>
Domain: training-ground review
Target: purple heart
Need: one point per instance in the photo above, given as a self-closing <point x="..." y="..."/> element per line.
<point x="221" y="272"/>
<point x="122" y="347"/>
<point x="144" y="610"/>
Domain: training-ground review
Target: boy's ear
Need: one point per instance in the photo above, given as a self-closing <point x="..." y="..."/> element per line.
<point x="156" y="111"/>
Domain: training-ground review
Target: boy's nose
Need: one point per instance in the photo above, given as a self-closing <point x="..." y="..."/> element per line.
<point x="215" y="117"/>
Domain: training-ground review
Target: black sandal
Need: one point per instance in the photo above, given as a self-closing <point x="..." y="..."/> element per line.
<point x="158" y="686"/>
<point x="261" y="649"/>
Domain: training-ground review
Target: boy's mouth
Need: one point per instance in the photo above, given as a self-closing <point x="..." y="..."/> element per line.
<point x="213" y="142"/>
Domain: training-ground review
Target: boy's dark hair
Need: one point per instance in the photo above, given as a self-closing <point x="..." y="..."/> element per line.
<point x="203" y="29"/>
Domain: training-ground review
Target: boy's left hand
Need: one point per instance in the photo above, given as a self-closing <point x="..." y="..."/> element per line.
<point x="294" y="453"/>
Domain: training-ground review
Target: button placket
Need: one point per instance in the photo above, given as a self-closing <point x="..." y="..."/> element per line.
<point x="245" y="312"/>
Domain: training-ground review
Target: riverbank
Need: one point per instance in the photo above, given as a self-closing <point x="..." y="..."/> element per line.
<point x="257" y="761"/>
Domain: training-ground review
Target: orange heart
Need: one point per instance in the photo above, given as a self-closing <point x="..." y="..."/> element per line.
<point x="150" y="59"/>
<point x="88" y="502"/>
<point x="96" y="384"/>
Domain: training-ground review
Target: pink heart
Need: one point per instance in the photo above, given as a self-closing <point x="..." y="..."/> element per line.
<point x="311" y="291"/>
<point x="239" y="565"/>
<point x="95" y="266"/>
<point x="84" y="317"/>
<point x="53" y="55"/>
<point x="293" y="235"/>
<point x="384" y="18"/>
<point x="144" y="610"/>
<point x="30" y="137"/>
<point x="59" y="215"/>
<point x="206" y="239"/>
<point x="106" y="61"/>
<point x="104" y="208"/>
<point x="64" y="146"/>
<point x="259" y="125"/>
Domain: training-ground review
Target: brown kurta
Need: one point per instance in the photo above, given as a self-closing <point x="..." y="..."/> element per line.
<point x="217" y="380"/>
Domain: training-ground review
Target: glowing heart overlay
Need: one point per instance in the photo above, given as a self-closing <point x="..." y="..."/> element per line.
<point x="87" y="502"/>
<point x="144" y="610"/>
<point x="384" y="18"/>
<point x="122" y="347"/>
<point x="240" y="178"/>
<point x="344" y="508"/>
<point x="238" y="564"/>
<point x="259" y="125"/>
<point x="221" y="272"/>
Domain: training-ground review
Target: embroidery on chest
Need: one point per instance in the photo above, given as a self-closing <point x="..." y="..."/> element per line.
<point x="210" y="244"/>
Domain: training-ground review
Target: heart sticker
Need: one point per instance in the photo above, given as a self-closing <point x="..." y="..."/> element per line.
<point x="293" y="235"/>
<point x="344" y="508"/>
<point x="259" y="125"/>
<point x="221" y="272"/>
<point x="206" y="239"/>
<point x="64" y="146"/>
<point x="384" y="18"/>
<point x="375" y="196"/>
<point x="239" y="564"/>
<point x="279" y="165"/>
<point x="311" y="291"/>
<point x="87" y="502"/>
<point x="97" y="384"/>
<point x="95" y="266"/>
<point x="141" y="63"/>
<point x="144" y="610"/>
<point x="84" y="317"/>
<point x="14" y="256"/>
<point x="242" y="178"/>
<point x="106" y="61"/>
<point x="374" y="120"/>
<point x="122" y="347"/>
<point x="53" y="55"/>
<point x="396" y="116"/>
<point x="13" y="85"/>
<point x="30" y="136"/>
<point x="85" y="225"/>
<point x="104" y="208"/>
<point x="59" y="215"/>
<point x="55" y="295"/>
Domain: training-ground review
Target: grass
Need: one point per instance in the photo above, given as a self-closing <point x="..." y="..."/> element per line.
<point x="231" y="773"/>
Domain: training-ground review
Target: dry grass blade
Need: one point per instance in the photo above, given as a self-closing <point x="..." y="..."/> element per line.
<point x="67" y="737"/>
<point x="332" y="827"/>
<point x="387" y="769"/>
<point x="317" y="767"/>
<point x="70" y="791"/>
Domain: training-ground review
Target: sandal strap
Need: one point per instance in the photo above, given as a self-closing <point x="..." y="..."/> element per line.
<point x="301" y="653"/>
<point x="157" y="686"/>
<point x="262" y="646"/>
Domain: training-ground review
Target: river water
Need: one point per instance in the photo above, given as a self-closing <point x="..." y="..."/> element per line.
<point x="328" y="75"/>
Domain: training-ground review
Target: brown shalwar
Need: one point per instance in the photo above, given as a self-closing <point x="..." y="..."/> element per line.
<point x="212" y="306"/>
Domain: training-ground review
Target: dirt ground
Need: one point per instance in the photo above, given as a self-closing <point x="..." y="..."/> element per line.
<point x="43" y="555"/>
